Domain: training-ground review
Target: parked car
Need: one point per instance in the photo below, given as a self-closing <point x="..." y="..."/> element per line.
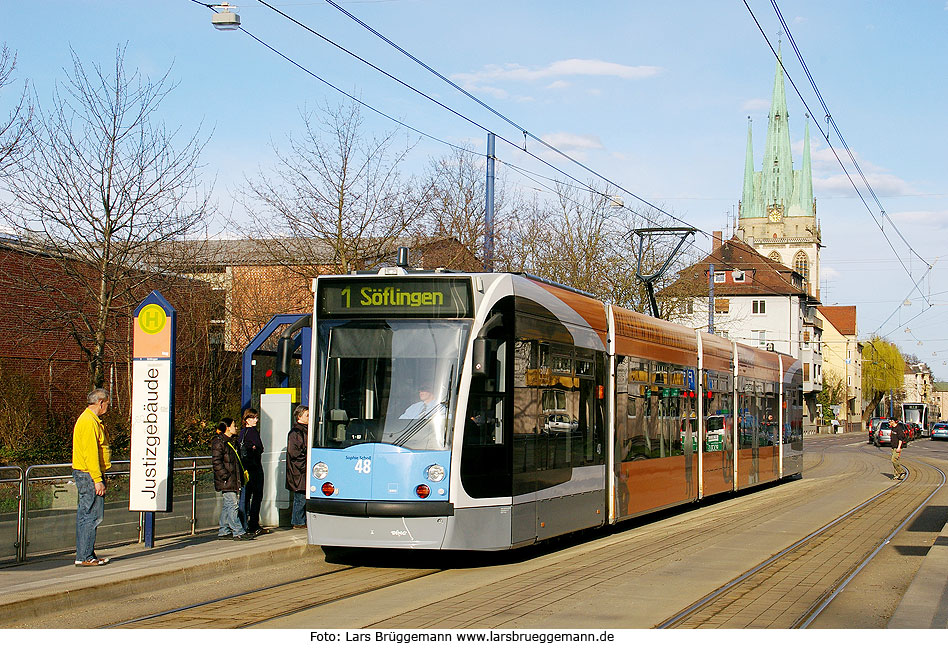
<point x="883" y="434"/>
<point x="940" y="431"/>
<point x="914" y="431"/>
<point x="874" y="423"/>
<point x="559" y="423"/>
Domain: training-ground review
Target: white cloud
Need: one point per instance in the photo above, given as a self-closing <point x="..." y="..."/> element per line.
<point x="826" y="272"/>
<point x="558" y="85"/>
<point x="568" y="67"/>
<point x="829" y="180"/>
<point x="883" y="184"/>
<point x="756" y="104"/>
<point x="573" y="142"/>
<point x="929" y="219"/>
<point x="497" y="93"/>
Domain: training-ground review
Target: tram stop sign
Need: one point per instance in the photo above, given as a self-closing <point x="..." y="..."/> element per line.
<point x="153" y="351"/>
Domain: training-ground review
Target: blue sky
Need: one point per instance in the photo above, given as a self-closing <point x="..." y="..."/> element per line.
<point x="654" y="95"/>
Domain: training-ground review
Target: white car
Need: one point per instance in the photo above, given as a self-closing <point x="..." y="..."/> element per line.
<point x="556" y="423"/>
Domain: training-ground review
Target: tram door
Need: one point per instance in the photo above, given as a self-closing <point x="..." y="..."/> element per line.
<point x="543" y="411"/>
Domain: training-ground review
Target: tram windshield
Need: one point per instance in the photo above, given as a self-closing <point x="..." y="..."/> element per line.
<point x="390" y="381"/>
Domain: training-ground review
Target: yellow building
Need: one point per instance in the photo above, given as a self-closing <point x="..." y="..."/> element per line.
<point x="842" y="360"/>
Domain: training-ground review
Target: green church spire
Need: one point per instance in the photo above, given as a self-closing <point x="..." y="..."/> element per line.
<point x="750" y="208"/>
<point x="776" y="184"/>
<point x="805" y="199"/>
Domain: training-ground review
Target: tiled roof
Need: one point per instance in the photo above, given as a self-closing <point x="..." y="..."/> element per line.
<point x="763" y="276"/>
<point x="299" y="251"/>
<point x="843" y="318"/>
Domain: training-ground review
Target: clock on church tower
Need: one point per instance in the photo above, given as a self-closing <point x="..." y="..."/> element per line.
<point x="775" y="213"/>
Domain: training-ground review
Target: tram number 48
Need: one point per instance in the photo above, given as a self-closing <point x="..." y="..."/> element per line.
<point x="363" y="466"/>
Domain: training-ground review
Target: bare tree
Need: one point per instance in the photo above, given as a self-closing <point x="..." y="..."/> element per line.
<point x="584" y="239"/>
<point x="103" y="185"/>
<point x="337" y="197"/>
<point x="456" y="207"/>
<point x="13" y="131"/>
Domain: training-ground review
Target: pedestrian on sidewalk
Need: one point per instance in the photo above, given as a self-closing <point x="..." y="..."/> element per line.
<point x="91" y="457"/>
<point x="898" y="439"/>
<point x="250" y="446"/>
<point x="296" y="445"/>
<point x="229" y="476"/>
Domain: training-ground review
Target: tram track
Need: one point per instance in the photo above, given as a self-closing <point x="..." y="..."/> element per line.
<point x="249" y="608"/>
<point x="529" y="589"/>
<point x="791" y="589"/>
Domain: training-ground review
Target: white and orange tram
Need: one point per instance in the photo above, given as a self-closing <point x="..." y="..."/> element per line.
<point x="486" y="411"/>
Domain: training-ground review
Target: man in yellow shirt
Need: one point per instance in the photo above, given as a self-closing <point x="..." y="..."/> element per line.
<point x="90" y="459"/>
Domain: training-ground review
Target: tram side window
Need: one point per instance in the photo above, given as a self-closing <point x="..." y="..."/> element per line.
<point x="717" y="412"/>
<point x="633" y="443"/>
<point x="668" y="385"/>
<point x="484" y="419"/>
<point x="769" y="418"/>
<point x="750" y="409"/>
<point x="485" y="454"/>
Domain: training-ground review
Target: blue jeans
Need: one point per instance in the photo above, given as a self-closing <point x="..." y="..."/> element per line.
<point x="299" y="509"/>
<point x="229" y="523"/>
<point x="89" y="514"/>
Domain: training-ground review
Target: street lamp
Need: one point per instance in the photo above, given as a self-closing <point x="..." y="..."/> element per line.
<point x="225" y="19"/>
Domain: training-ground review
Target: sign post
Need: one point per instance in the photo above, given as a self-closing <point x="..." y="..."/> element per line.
<point x="152" y="452"/>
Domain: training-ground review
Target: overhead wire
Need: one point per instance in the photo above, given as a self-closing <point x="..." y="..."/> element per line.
<point x="915" y="286"/>
<point x="411" y="128"/>
<point x="483" y="104"/>
<point x="579" y="182"/>
<point x="525" y="132"/>
<point x="836" y="129"/>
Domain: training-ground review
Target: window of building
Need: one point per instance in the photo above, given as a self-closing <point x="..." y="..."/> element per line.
<point x="721" y="305"/>
<point x="690" y="307"/>
<point x="761" y="337"/>
<point x="849" y="381"/>
<point x="720" y="277"/>
<point x="759" y="306"/>
<point x="801" y="263"/>
<point x="775" y="256"/>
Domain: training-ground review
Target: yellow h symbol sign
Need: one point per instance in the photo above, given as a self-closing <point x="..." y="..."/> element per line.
<point x="152" y="318"/>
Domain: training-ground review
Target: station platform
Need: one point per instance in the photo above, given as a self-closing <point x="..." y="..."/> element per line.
<point x="925" y="603"/>
<point x="41" y="584"/>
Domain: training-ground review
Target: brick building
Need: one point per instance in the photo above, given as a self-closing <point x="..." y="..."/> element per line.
<point x="253" y="280"/>
<point x="44" y="373"/>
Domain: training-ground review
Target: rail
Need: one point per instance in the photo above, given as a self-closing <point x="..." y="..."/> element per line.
<point x="56" y="479"/>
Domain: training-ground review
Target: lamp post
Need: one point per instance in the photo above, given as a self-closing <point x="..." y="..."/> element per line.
<point x="225" y="19"/>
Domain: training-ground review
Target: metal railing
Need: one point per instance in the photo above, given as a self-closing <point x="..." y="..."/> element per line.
<point x="48" y="492"/>
<point x="19" y="498"/>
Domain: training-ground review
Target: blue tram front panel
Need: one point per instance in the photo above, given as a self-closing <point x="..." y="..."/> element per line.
<point x="380" y="472"/>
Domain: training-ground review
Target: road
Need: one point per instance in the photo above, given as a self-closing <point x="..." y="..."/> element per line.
<point x="639" y="575"/>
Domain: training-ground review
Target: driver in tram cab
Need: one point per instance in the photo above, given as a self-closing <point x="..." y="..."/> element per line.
<point x="426" y="403"/>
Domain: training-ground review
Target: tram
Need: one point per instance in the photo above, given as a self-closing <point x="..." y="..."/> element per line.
<point x="917" y="414"/>
<point x="487" y="411"/>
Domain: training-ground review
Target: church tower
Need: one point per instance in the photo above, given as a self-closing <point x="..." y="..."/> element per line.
<point x="777" y="213"/>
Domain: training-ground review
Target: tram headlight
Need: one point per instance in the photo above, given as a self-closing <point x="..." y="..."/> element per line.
<point x="434" y="473"/>
<point x="422" y="491"/>
<point x="320" y="470"/>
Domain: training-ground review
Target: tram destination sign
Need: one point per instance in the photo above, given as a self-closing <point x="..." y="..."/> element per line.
<point x="386" y="297"/>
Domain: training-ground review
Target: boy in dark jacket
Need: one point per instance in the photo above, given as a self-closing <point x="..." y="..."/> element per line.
<point x="296" y="445"/>
<point x="250" y="447"/>
<point x="898" y="437"/>
<point x="228" y="478"/>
